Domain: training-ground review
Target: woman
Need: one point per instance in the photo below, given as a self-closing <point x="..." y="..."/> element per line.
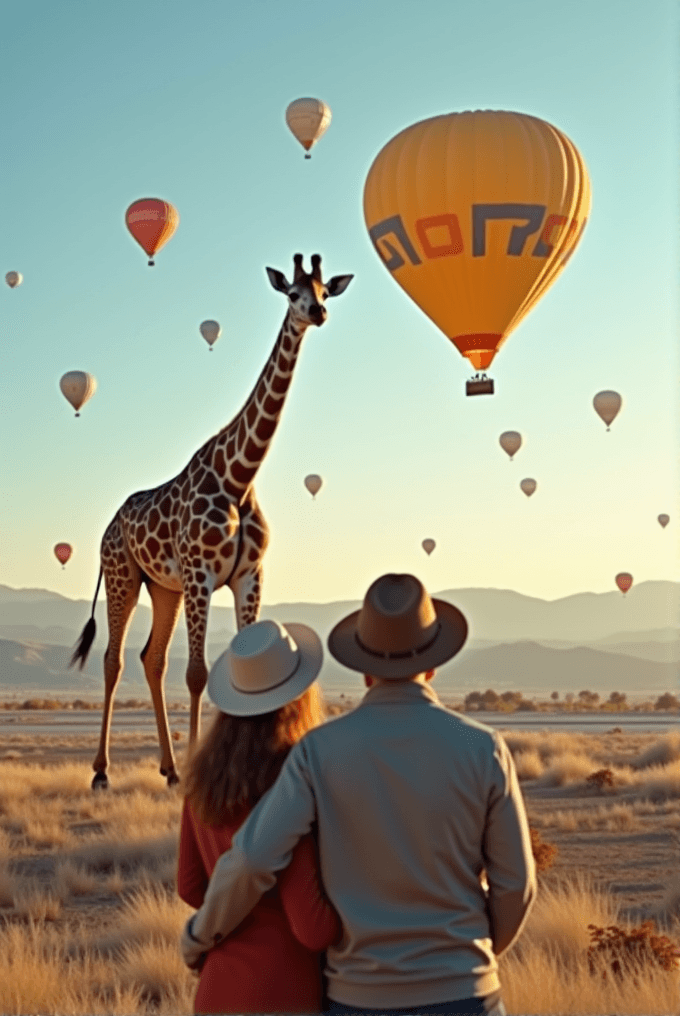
<point x="264" y="686"/>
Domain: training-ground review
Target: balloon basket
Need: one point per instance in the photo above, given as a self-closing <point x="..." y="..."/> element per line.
<point x="479" y="386"/>
<point x="77" y="415"/>
<point x="151" y="264"/>
<point x="307" y="156"/>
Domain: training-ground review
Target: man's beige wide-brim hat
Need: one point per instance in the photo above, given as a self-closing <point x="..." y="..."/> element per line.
<point x="266" y="666"/>
<point x="399" y="631"/>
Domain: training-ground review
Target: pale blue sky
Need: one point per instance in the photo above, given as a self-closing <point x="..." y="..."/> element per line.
<point x="107" y="103"/>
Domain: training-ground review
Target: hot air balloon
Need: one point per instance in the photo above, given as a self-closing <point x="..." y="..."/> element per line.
<point x="62" y="552"/>
<point x="308" y="119"/>
<point x="607" y="405"/>
<point x="428" y="546"/>
<point x="528" y="486"/>
<point x="14" y="279"/>
<point x="313" y="484"/>
<point x="211" y="331"/>
<point x="511" y="442"/>
<point x="624" y="581"/>
<point x="663" y="520"/>
<point x="152" y="222"/>
<point x="78" y="387"/>
<point x="475" y="214"/>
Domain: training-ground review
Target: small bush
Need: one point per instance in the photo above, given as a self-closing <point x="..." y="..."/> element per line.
<point x="602" y="778"/>
<point x="623" y="952"/>
<point x="544" y="853"/>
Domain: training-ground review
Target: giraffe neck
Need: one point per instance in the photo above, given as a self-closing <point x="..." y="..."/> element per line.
<point x="241" y="446"/>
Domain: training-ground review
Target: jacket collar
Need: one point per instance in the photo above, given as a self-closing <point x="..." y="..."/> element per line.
<point x="401" y="693"/>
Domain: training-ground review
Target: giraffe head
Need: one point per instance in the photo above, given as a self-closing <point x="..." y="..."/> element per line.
<point x="307" y="294"/>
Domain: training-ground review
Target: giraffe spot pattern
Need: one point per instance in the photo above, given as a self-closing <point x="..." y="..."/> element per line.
<point x="219" y="462"/>
<point x="253" y="452"/>
<point x="280" y="385"/>
<point x="210" y="484"/>
<point x="265" y="429"/>
<point x="165" y="506"/>
<point x="154" y="519"/>
<point x="222" y="502"/>
<point x="271" y="406"/>
<point x="163" y="531"/>
<point x="251" y="413"/>
<point x="153" y="546"/>
<point x="215" y="515"/>
<point x="200" y="505"/>
<point x="212" y="537"/>
<point x="241" y="473"/>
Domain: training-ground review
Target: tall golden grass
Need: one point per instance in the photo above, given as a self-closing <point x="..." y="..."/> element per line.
<point x="90" y="917"/>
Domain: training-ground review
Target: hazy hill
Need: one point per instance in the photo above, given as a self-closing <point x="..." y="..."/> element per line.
<point x="601" y="642"/>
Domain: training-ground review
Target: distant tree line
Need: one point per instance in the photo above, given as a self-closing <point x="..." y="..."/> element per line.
<point x="514" y="701"/>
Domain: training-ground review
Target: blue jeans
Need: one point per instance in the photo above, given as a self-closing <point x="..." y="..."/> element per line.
<point x="489" y="1004"/>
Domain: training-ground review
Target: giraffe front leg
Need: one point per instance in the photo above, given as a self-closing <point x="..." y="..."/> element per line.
<point x="247" y="589"/>
<point x="196" y="605"/>
<point x="166" y="604"/>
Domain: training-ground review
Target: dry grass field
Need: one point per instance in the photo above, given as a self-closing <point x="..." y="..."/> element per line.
<point x="90" y="918"/>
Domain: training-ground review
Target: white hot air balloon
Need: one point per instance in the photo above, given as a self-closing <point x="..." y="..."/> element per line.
<point x="428" y="546"/>
<point x="313" y="484"/>
<point x="663" y="520"/>
<point x="14" y="279"/>
<point x="528" y="486"/>
<point x="511" y="442"/>
<point x="77" y="387"/>
<point x="308" y="119"/>
<point x="211" y="331"/>
<point x="607" y="405"/>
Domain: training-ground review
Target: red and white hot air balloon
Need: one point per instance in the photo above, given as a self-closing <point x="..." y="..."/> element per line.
<point x="624" y="581"/>
<point x="62" y="552"/>
<point x="151" y="222"/>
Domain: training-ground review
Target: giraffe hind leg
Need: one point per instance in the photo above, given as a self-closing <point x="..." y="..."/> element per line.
<point x="122" y="593"/>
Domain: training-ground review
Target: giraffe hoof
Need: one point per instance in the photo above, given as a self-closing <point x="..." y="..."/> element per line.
<point x="100" y="782"/>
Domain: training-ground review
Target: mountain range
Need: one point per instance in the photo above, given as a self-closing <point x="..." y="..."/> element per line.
<point x="602" y="642"/>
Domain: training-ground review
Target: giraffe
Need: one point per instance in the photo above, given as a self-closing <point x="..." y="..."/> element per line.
<point x="200" y="531"/>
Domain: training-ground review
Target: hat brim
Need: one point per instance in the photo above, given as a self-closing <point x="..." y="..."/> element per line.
<point x="229" y="699"/>
<point x="453" y="632"/>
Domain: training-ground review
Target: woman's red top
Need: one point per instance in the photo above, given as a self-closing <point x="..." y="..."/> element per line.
<point x="270" y="962"/>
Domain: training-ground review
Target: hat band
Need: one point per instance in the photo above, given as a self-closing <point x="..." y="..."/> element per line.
<point x="270" y="687"/>
<point x="399" y="656"/>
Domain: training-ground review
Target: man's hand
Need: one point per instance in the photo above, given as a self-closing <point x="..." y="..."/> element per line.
<point x="194" y="952"/>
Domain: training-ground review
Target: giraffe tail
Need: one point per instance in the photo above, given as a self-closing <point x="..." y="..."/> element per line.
<point x="88" y="633"/>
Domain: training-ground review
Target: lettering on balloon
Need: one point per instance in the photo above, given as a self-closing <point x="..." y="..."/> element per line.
<point x="455" y="237"/>
<point x="441" y="236"/>
<point x="533" y="214"/>
<point x="146" y="215"/>
<point x="393" y="226"/>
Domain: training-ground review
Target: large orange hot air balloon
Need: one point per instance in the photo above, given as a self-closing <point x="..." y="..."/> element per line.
<point x="475" y="214"/>
<point x="152" y="222"/>
<point x="624" y="581"/>
<point x="62" y="552"/>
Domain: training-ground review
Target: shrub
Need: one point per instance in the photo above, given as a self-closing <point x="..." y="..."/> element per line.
<point x="544" y="853"/>
<point x="602" y="778"/>
<point x="623" y="951"/>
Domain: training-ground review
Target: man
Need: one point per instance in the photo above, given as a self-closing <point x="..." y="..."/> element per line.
<point x="411" y="802"/>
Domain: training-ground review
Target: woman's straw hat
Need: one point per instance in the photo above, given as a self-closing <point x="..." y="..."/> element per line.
<point x="266" y="666"/>
<point x="399" y="631"/>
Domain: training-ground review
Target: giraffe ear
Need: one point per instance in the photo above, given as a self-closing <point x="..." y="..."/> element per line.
<point x="278" y="280"/>
<point x="338" y="284"/>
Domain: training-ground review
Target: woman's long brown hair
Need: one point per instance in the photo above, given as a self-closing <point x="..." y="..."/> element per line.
<point x="241" y="756"/>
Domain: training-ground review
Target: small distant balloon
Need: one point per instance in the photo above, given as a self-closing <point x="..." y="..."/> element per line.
<point x="313" y="484"/>
<point x="511" y="442"/>
<point x="624" y="581"/>
<point x="663" y="520"/>
<point x="62" y="552"/>
<point x="78" y="387"/>
<point x="607" y="406"/>
<point x="428" y="546"/>
<point x="14" y="279"/>
<point x="528" y="486"/>
<point x="211" y="331"/>
<point x="308" y="120"/>
<point x="151" y="222"/>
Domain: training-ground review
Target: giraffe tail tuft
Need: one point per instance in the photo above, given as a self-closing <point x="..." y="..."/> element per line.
<point x="84" y="642"/>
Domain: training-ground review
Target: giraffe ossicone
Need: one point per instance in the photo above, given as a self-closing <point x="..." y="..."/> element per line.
<point x="199" y="531"/>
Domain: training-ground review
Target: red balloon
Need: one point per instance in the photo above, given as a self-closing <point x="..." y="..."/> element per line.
<point x="63" y="552"/>
<point x="152" y="222"/>
<point x="624" y="581"/>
